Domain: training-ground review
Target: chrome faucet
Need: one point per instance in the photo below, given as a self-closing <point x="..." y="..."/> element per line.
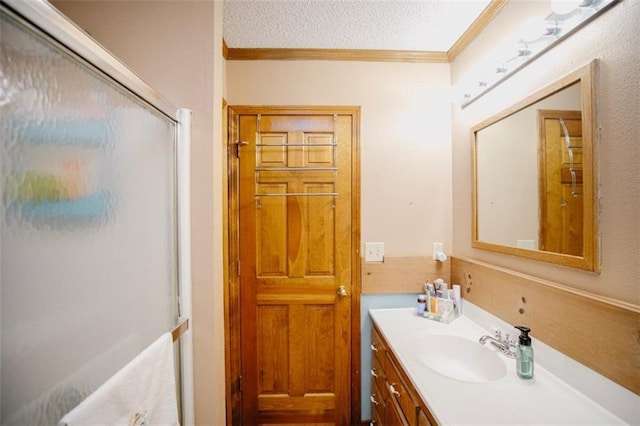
<point x="506" y="345"/>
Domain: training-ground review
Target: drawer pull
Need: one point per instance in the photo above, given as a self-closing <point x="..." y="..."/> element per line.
<point x="393" y="390"/>
<point x="373" y="373"/>
<point x="374" y="347"/>
<point x="374" y="401"/>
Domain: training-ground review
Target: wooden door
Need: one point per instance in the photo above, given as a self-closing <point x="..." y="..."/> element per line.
<point x="561" y="192"/>
<point x="296" y="261"/>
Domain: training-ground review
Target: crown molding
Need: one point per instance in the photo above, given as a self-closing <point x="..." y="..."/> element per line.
<point x="475" y="28"/>
<point x="336" y="55"/>
<point x="369" y="55"/>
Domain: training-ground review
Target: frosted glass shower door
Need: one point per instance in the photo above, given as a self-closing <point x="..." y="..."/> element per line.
<point x="88" y="270"/>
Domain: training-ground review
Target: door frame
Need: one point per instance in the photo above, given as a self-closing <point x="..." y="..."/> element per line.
<point x="231" y="251"/>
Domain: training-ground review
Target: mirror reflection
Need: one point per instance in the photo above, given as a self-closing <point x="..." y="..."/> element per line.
<point x="533" y="187"/>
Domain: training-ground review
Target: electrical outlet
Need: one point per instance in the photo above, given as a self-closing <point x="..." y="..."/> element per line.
<point x="374" y="252"/>
<point x="437" y="248"/>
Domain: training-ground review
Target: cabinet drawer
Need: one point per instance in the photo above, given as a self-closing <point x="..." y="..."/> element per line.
<point x="377" y="373"/>
<point x="394" y="415"/>
<point x="378" y="404"/>
<point x="423" y="420"/>
<point x="398" y="391"/>
<point x="377" y="347"/>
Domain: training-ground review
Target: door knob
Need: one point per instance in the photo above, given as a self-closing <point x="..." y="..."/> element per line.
<point x="342" y="291"/>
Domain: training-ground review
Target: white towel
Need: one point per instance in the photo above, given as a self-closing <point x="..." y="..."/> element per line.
<point x="143" y="392"/>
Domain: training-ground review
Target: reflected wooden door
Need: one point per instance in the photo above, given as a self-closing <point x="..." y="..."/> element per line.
<point x="295" y="266"/>
<point x="561" y="198"/>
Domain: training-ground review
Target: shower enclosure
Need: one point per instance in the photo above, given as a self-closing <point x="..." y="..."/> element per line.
<point x="93" y="228"/>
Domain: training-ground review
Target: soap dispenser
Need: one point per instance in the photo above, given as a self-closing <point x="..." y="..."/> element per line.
<point x="524" y="354"/>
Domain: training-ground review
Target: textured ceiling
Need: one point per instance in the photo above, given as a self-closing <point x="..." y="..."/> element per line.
<point x="422" y="25"/>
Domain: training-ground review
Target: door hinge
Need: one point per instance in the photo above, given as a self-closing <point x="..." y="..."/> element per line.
<point x="237" y="385"/>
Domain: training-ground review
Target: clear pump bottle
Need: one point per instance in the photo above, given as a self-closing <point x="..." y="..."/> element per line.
<point x="524" y="354"/>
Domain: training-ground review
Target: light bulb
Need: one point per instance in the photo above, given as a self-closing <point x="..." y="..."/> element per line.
<point x="523" y="50"/>
<point x="552" y="28"/>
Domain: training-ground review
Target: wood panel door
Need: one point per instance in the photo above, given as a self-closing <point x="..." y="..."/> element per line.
<point x="296" y="258"/>
<point x="561" y="191"/>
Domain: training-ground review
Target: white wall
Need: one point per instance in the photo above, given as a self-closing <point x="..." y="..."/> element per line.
<point x="405" y="137"/>
<point x="609" y="38"/>
<point x="176" y="46"/>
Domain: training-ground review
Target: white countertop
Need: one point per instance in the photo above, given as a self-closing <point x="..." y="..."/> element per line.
<point x="544" y="400"/>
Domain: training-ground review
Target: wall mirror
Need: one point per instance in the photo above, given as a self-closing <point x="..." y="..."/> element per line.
<point x="534" y="176"/>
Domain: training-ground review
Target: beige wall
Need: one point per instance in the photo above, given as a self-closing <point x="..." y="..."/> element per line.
<point x="609" y="39"/>
<point x="405" y="137"/>
<point x="509" y="147"/>
<point x="176" y="46"/>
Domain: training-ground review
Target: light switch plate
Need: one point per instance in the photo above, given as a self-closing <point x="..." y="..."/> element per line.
<point x="374" y="252"/>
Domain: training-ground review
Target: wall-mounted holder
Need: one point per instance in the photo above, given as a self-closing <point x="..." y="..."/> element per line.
<point x="440" y="257"/>
<point x="438" y="252"/>
<point x="442" y="309"/>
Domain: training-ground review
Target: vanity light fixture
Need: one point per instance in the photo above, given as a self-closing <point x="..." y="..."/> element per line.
<point x="567" y="16"/>
<point x="552" y="27"/>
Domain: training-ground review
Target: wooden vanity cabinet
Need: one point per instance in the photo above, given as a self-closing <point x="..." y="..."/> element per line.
<point x="397" y="403"/>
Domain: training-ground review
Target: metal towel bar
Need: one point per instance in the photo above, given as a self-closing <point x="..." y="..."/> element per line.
<point x="298" y="194"/>
<point x="308" y="145"/>
<point x="296" y="169"/>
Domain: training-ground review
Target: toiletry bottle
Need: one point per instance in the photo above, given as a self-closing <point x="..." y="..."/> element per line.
<point x="431" y="292"/>
<point x="442" y="289"/>
<point x="457" y="299"/>
<point x="433" y="305"/>
<point x="524" y="354"/>
<point x="422" y="304"/>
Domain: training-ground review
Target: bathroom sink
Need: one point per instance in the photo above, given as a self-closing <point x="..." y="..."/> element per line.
<point x="461" y="359"/>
